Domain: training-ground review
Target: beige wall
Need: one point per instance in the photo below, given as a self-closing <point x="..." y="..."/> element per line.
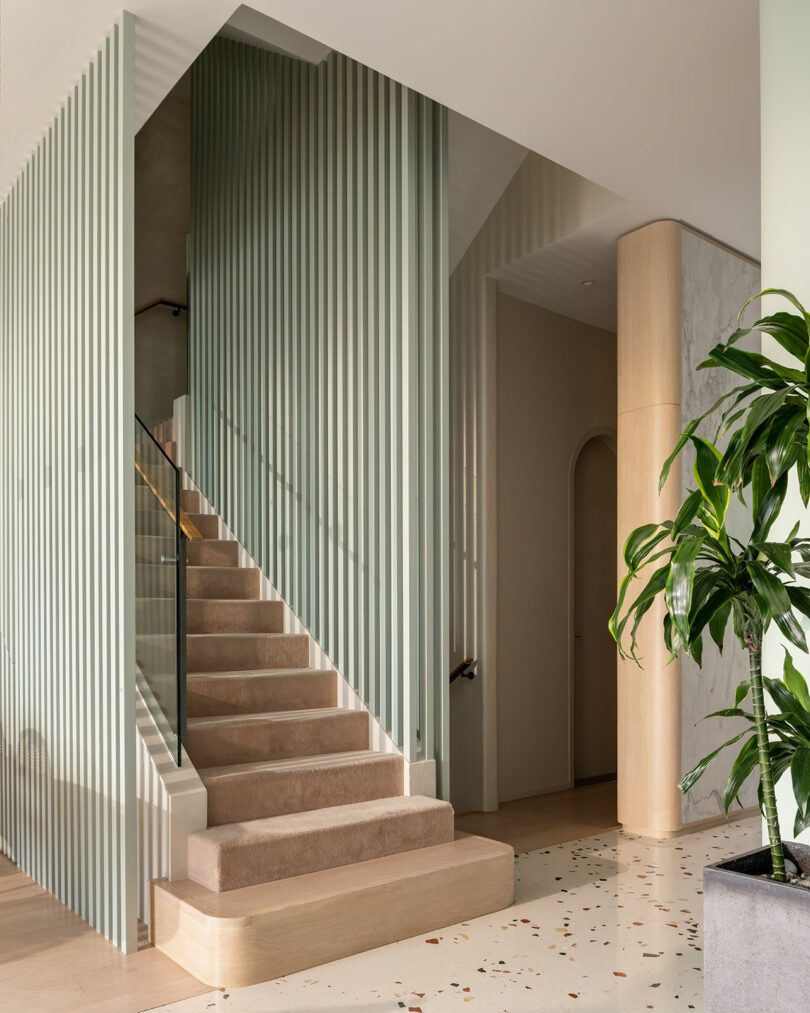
<point x="556" y="387"/>
<point x="162" y="220"/>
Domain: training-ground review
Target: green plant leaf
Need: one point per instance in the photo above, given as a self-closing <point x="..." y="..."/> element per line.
<point x="769" y="509"/>
<point x="741" y="769"/>
<point x="689" y="780"/>
<point x="789" y="626"/>
<point x="715" y="492"/>
<point x="795" y="682"/>
<point x="687" y="513"/>
<point x="719" y="622"/>
<point x="800" y="775"/>
<point x="801" y="823"/>
<point x="778" y="553"/>
<point x="741" y="692"/>
<point x="678" y="592"/>
<point x="770" y="587"/>
<point x="635" y="540"/>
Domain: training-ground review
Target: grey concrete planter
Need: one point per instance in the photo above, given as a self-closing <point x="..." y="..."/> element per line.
<point x="755" y="936"/>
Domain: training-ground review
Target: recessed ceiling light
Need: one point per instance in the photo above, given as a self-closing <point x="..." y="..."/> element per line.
<point x="588" y="282"/>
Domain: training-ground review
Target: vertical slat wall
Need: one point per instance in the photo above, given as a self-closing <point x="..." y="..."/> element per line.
<point x="67" y="775"/>
<point x="318" y="359"/>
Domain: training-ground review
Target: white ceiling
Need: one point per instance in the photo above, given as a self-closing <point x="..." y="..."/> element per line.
<point x="655" y="100"/>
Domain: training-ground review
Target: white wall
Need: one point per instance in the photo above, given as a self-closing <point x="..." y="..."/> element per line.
<point x="556" y="387"/>
<point x="785" y="98"/>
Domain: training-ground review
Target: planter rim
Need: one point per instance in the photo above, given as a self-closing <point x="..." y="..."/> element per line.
<point x="722" y="867"/>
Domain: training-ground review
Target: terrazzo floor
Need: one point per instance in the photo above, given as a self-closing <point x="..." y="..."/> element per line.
<point x="606" y="923"/>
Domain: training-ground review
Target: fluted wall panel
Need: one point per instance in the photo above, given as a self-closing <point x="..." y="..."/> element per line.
<point x="67" y="784"/>
<point x="318" y="359"/>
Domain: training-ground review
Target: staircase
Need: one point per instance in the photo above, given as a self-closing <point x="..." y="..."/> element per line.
<point x="312" y="849"/>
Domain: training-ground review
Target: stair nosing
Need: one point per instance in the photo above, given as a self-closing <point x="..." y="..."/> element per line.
<point x="336" y="814"/>
<point x="311" y="714"/>
<point x="256" y="673"/>
<point x="314" y="762"/>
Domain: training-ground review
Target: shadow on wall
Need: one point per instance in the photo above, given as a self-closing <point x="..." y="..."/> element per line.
<point x="52" y="807"/>
<point x="162" y="222"/>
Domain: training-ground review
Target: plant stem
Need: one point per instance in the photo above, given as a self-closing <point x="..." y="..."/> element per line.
<point x="765" y="769"/>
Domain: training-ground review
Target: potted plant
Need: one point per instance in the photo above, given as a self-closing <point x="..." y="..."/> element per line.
<point x="708" y="580"/>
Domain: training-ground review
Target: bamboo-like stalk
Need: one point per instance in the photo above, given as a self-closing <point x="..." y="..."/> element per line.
<point x="766" y="771"/>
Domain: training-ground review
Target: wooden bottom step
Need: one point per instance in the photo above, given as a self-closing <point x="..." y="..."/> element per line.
<point x="261" y="932"/>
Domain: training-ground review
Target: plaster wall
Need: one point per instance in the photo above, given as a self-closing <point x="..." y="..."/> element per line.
<point x="715" y="282"/>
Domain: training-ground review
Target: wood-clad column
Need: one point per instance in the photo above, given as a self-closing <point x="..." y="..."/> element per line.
<point x="649" y="421"/>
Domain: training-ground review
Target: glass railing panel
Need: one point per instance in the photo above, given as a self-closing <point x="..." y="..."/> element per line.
<point x="159" y="620"/>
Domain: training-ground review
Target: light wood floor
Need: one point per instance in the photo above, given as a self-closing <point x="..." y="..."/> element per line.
<point x="539" y="822"/>
<point x="50" y="960"/>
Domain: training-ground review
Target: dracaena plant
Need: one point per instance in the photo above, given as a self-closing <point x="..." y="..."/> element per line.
<point x="709" y="578"/>
<point x="789" y="749"/>
<point x="771" y="408"/>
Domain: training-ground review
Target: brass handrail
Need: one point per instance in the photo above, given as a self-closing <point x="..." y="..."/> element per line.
<point x="187" y="525"/>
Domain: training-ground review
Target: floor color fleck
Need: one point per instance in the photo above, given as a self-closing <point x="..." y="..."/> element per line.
<point x="606" y="923"/>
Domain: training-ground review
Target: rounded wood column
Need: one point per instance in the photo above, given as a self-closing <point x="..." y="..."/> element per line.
<point x="649" y="421"/>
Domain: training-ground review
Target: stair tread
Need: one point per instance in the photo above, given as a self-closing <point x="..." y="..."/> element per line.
<point x="249" y="901"/>
<point x="245" y="636"/>
<point x="259" y="673"/>
<point x="299" y="763"/>
<point x="230" y="569"/>
<point x="240" y="719"/>
<point x="272" y="828"/>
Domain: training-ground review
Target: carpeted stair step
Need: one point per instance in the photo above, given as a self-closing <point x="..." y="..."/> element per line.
<point x="218" y="741"/>
<point x="225" y="615"/>
<point x="234" y="652"/>
<point x="212" y="552"/>
<point x="262" y="851"/>
<point x="210" y="694"/>
<point x="223" y="582"/>
<point x="190" y="501"/>
<point x="207" y="524"/>
<point x="252" y="791"/>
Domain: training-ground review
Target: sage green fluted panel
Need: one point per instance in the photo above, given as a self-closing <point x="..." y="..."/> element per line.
<point x="67" y="724"/>
<point x="318" y="359"/>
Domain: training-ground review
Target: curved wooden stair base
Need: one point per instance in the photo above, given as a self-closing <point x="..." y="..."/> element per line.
<point x="241" y="937"/>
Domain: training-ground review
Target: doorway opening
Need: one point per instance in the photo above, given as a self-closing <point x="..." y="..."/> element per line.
<point x="593" y="670"/>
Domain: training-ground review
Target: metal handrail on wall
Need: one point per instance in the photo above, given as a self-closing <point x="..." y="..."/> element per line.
<point x="175" y="307"/>
<point x="162" y="529"/>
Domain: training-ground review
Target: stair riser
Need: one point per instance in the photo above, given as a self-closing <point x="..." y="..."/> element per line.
<point x="207" y="524"/>
<point x="149" y="548"/>
<point x="232" y="694"/>
<point x="155" y="616"/>
<point x="260" y="794"/>
<point x="219" y="652"/>
<point x="207" y="616"/>
<point x="155" y="580"/>
<point x="222" y="582"/>
<point x="233" y="867"/>
<point x="215" y="745"/>
<point x="212" y="552"/>
<point x="190" y="501"/>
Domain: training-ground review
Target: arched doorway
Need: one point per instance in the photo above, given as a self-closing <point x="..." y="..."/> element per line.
<point x="594" y="594"/>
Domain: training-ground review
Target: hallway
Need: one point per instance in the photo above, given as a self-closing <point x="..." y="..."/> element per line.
<point x="544" y="820"/>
